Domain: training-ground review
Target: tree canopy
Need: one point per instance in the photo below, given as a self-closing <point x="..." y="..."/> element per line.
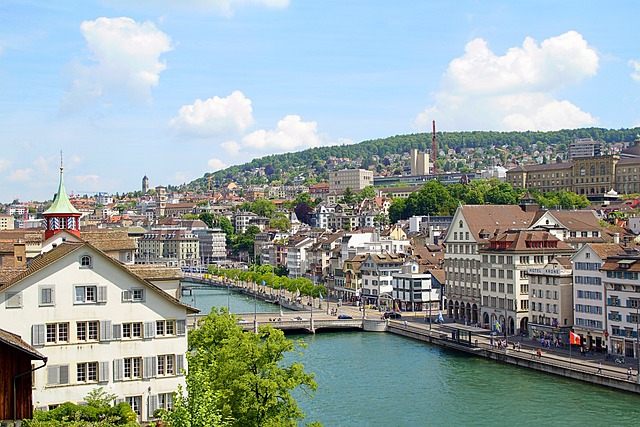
<point x="242" y="375"/>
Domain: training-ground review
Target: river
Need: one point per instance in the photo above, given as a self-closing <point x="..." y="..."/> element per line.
<point x="380" y="379"/>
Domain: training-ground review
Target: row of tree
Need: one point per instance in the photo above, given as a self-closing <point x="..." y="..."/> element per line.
<point x="434" y="198"/>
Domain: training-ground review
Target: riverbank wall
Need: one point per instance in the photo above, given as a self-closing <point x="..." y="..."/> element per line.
<point x="550" y="364"/>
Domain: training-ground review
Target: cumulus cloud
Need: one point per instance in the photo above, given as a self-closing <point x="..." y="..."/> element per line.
<point x="216" y="164"/>
<point x="515" y="91"/>
<point x="21" y="175"/>
<point x="125" y="57"/>
<point x="215" y="116"/>
<point x="291" y="134"/>
<point x="635" y="75"/>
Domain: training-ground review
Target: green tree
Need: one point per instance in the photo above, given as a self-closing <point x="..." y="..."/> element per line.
<point x="247" y="370"/>
<point x="207" y="218"/>
<point x="227" y="228"/>
<point x="282" y="223"/>
<point x="368" y="192"/>
<point x="347" y="196"/>
<point x="263" y="207"/>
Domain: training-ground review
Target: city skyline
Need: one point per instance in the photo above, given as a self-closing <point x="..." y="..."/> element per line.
<point x="174" y="91"/>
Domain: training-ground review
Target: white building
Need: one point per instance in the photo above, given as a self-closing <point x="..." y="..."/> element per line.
<point x="100" y="326"/>
<point x="377" y="278"/>
<point x="412" y="290"/>
<point x="589" y="316"/>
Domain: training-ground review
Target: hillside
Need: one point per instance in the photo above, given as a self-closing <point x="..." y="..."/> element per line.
<point x="313" y="161"/>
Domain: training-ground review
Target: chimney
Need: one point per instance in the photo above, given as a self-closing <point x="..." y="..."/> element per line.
<point x="19" y="254"/>
<point x="616" y="238"/>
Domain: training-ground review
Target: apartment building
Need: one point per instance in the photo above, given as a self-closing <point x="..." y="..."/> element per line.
<point x="355" y="179"/>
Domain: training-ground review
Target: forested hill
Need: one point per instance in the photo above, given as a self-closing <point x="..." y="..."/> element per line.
<point x="315" y="158"/>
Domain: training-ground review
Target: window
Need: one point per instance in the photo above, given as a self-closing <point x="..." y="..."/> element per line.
<point x="165" y="327"/>
<point x="58" y="375"/>
<point x="132" y="330"/>
<point x="85" y="261"/>
<point x="165" y="401"/>
<point x="86" y="294"/>
<point x="87" y="331"/>
<point x="45" y="296"/>
<point x="137" y="294"/>
<point x="132" y="368"/>
<point x="166" y="364"/>
<point x="57" y="333"/>
<point x="13" y="299"/>
<point x="135" y="402"/>
<point x="87" y="372"/>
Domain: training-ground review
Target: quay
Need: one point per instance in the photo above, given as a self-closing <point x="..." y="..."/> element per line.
<point x="451" y="336"/>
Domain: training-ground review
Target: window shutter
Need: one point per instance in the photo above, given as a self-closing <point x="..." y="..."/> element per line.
<point x="53" y="375"/>
<point x="103" y="372"/>
<point x="179" y="363"/>
<point x="37" y="335"/>
<point x="149" y="367"/>
<point x="149" y="329"/>
<point x="117" y="332"/>
<point x="181" y="326"/>
<point x="106" y="330"/>
<point x="153" y="404"/>
<point x="13" y="299"/>
<point x="118" y="368"/>
<point x="126" y="296"/>
<point x="64" y="374"/>
<point x="102" y="294"/>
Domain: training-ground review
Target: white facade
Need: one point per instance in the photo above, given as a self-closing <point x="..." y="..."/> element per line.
<point x="355" y="179"/>
<point x="100" y="326"/>
<point x="412" y="290"/>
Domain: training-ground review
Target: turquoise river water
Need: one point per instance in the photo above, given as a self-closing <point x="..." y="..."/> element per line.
<point x="380" y="379"/>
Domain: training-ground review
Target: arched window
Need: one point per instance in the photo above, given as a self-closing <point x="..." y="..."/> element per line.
<point x="460" y="224"/>
<point x="592" y="171"/>
<point x="583" y="171"/>
<point x="85" y="261"/>
<point x="603" y="170"/>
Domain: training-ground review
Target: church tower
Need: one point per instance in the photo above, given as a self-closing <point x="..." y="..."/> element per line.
<point x="61" y="215"/>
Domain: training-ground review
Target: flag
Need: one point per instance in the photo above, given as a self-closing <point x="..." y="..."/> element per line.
<point x="574" y="338"/>
<point x="264" y="283"/>
<point x="321" y="299"/>
<point x="497" y="326"/>
<point x="440" y="319"/>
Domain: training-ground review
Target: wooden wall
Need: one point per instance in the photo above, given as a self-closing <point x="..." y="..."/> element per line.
<point x="12" y="363"/>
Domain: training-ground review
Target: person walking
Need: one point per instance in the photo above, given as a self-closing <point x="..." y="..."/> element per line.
<point x="600" y="368"/>
<point x="629" y="373"/>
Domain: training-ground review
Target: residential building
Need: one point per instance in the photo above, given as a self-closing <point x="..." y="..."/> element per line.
<point x="505" y="263"/>
<point x="213" y="245"/>
<point x="620" y="276"/>
<point x="590" y="305"/>
<point x="551" y="300"/>
<point x="412" y="290"/>
<point x="471" y="228"/>
<point x="377" y="272"/>
<point x="169" y="246"/>
<point x="6" y="222"/>
<point x="584" y="147"/>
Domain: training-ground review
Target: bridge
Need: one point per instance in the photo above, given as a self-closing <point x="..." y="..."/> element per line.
<point x="309" y="325"/>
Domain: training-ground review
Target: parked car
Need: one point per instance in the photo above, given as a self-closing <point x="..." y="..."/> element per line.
<point x="344" y="316"/>
<point x="392" y="315"/>
<point x="299" y="319"/>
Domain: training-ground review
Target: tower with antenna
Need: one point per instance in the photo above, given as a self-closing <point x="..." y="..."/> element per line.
<point x="434" y="148"/>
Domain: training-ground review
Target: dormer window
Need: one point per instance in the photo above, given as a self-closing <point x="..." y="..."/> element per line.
<point x="85" y="261"/>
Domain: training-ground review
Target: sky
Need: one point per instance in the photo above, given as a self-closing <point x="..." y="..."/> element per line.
<point x="175" y="89"/>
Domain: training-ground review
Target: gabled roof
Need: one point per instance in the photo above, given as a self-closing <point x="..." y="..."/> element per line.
<point x="109" y="239"/>
<point x="604" y="250"/>
<point x="581" y="220"/>
<point x="490" y="219"/>
<point x="48" y="258"/>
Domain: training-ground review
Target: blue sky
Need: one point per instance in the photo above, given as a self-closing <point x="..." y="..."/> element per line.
<point x="174" y="89"/>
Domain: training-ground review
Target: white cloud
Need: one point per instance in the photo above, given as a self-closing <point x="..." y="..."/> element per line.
<point x="215" y="116"/>
<point x="291" y="134"/>
<point x="125" y="56"/>
<point x="231" y="147"/>
<point x="88" y="179"/>
<point x="21" y="175"/>
<point x="216" y="164"/>
<point x="481" y="90"/>
<point x="635" y="64"/>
